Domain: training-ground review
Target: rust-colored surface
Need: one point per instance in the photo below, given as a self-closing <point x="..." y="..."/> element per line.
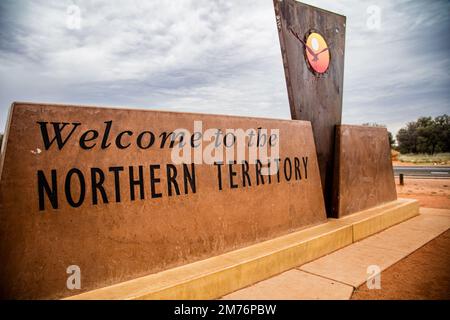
<point x="117" y="241"/>
<point x="314" y="97"/>
<point x="364" y="176"/>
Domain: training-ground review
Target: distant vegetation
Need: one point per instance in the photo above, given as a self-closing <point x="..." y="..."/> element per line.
<point x="425" y="159"/>
<point x="425" y="136"/>
<point x="1" y="140"/>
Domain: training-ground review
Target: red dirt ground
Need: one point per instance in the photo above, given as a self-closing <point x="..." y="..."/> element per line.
<point x="431" y="193"/>
<point x="424" y="274"/>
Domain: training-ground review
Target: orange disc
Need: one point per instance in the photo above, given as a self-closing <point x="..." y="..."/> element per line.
<point x="317" y="52"/>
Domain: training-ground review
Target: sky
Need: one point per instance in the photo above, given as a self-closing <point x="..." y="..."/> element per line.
<point x="219" y="57"/>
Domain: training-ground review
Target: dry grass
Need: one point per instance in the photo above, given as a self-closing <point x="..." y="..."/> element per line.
<point x="426" y="159"/>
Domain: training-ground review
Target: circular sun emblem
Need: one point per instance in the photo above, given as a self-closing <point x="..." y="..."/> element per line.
<point x="317" y="52"/>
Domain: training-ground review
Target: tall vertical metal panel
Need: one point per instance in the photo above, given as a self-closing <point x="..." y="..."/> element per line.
<point x="314" y="90"/>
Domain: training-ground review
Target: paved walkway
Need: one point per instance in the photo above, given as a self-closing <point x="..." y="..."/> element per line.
<point x="336" y="275"/>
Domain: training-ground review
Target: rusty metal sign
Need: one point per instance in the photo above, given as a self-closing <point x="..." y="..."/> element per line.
<point x="312" y="45"/>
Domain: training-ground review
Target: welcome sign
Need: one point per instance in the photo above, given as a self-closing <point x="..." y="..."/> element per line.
<point x="119" y="194"/>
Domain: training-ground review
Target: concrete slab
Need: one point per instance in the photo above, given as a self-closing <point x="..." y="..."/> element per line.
<point x="403" y="239"/>
<point x="434" y="223"/>
<point x="294" y="285"/>
<point x="412" y="234"/>
<point x="444" y="212"/>
<point x="349" y="265"/>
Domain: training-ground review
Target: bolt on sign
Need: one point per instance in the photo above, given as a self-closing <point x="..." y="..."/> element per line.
<point x="124" y="193"/>
<point x="312" y="45"/>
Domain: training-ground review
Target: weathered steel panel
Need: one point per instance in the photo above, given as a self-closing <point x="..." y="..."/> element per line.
<point x="314" y="96"/>
<point x="364" y="176"/>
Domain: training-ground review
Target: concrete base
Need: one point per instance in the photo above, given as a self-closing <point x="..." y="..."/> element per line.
<point x="349" y="265"/>
<point x="215" y="277"/>
<point x="294" y="285"/>
<point x="368" y="222"/>
<point x="336" y="275"/>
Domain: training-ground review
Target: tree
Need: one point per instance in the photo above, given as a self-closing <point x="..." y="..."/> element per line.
<point x="443" y="132"/>
<point x="1" y="141"/>
<point x="407" y="138"/>
<point x="391" y="140"/>
<point x="426" y="135"/>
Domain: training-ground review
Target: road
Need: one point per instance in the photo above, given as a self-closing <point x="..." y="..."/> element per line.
<point x="425" y="172"/>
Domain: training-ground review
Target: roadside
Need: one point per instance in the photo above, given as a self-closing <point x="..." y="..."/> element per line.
<point x="409" y="164"/>
<point x="424" y="274"/>
<point x="438" y="159"/>
<point x="414" y="257"/>
<point x="431" y="193"/>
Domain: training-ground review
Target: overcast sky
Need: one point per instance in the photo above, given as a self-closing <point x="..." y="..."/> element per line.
<point x="218" y="56"/>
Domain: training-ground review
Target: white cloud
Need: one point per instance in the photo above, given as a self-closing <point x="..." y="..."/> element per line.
<point x="216" y="57"/>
